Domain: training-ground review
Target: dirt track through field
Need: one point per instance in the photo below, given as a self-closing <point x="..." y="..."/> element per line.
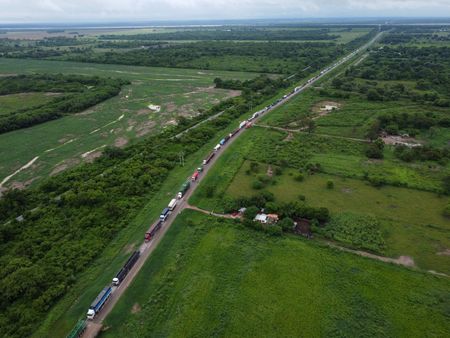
<point x="29" y="164"/>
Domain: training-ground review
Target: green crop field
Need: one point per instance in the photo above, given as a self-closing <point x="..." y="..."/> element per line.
<point x="63" y="143"/>
<point x="210" y="277"/>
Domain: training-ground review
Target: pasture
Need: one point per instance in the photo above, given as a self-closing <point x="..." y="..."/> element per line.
<point x="412" y="221"/>
<point x="63" y="143"/>
<point x="210" y="277"/>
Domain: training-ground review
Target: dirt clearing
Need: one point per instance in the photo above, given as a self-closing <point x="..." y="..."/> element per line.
<point x="324" y="107"/>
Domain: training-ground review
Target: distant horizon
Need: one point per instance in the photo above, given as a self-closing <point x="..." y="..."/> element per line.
<point x="362" y="20"/>
<point x="101" y="11"/>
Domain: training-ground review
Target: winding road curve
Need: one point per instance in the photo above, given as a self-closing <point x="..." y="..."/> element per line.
<point x="94" y="327"/>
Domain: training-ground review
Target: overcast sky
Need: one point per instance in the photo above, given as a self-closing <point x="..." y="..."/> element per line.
<point x="126" y="10"/>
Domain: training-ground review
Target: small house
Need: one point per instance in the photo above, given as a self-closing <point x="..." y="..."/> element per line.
<point x="261" y="218"/>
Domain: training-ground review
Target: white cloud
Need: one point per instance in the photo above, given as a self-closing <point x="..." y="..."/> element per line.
<point x="89" y="10"/>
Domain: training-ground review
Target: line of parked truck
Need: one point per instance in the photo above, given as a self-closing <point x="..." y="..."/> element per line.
<point x="106" y="293"/>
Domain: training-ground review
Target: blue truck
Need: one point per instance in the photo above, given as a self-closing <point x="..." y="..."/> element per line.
<point x="99" y="302"/>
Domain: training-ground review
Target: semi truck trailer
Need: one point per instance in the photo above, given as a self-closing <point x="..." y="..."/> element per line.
<point x="184" y="188"/>
<point x="207" y="159"/>
<point x="99" y="302"/>
<point x="172" y="204"/>
<point x="120" y="276"/>
<point x="78" y="330"/>
<point x="149" y="235"/>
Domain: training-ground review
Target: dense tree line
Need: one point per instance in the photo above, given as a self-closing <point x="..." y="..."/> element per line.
<point x="423" y="153"/>
<point x="411" y="123"/>
<point x="80" y="93"/>
<point x="428" y="68"/>
<point x="70" y="218"/>
<point x="233" y="34"/>
<point x="61" y="41"/>
<point x="274" y="57"/>
<point x="254" y="85"/>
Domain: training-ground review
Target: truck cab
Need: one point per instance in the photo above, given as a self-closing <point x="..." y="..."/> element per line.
<point x="91" y="314"/>
<point x="195" y="176"/>
<point x="164" y="214"/>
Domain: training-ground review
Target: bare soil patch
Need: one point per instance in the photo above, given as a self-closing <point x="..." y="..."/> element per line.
<point x="269" y="171"/>
<point x="65" y="165"/>
<point x="289" y="137"/>
<point x="92" y="156"/>
<point x="401" y="140"/>
<point x="22" y="185"/>
<point x="171" y="122"/>
<point x="446" y="252"/>
<point x="406" y="261"/>
<point x="120" y="142"/>
<point x="136" y="308"/>
<point x="346" y="190"/>
<point x="170" y="107"/>
<point x="324" y="107"/>
<point x="145" y="128"/>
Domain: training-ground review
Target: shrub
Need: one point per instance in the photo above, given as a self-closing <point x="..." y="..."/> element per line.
<point x="209" y="191"/>
<point x="273" y="230"/>
<point x="302" y="197"/>
<point x="446" y="184"/>
<point x="446" y="211"/>
<point x="250" y="213"/>
<point x="330" y="184"/>
<point x="361" y="231"/>
<point x="377" y="181"/>
<point x="257" y="185"/>
<point x="299" y="177"/>
<point x="254" y="167"/>
<point x="278" y="171"/>
<point x="286" y="224"/>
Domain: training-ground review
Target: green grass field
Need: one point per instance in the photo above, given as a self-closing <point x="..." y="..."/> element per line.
<point x="13" y="102"/>
<point x="412" y="220"/>
<point x="62" y="143"/>
<point x="209" y="277"/>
